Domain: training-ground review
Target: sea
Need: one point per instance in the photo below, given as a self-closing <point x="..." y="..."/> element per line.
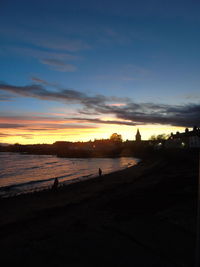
<point x="24" y="173"/>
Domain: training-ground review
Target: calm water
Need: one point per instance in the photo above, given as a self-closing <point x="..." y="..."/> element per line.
<point x="24" y="173"/>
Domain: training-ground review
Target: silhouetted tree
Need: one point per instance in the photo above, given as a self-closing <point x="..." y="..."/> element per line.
<point x="159" y="137"/>
<point x="116" y="137"/>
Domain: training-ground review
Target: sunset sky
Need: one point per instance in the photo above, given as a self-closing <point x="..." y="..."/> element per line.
<point x="78" y="69"/>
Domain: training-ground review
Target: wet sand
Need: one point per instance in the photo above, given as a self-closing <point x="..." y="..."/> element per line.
<point x="142" y="216"/>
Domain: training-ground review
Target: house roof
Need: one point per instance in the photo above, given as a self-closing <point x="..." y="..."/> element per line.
<point x="187" y="133"/>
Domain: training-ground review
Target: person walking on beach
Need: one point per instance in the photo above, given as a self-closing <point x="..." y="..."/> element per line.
<point x="100" y="172"/>
<point x="55" y="184"/>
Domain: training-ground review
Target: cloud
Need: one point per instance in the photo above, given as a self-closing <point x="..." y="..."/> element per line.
<point x="59" y="43"/>
<point x="26" y="136"/>
<point x="46" y="127"/>
<point x="117" y="104"/>
<point x="96" y="120"/>
<point x="54" y="59"/>
<point x="37" y="123"/>
<point x="136" y="113"/>
<point x="40" y="54"/>
<point x="4" y="97"/>
<point x="58" y="65"/>
<point x="11" y="125"/>
<point x="150" y="113"/>
<point x="4" y="135"/>
<point x="65" y="95"/>
<point x="192" y="96"/>
<point x="51" y="127"/>
<point x="41" y="81"/>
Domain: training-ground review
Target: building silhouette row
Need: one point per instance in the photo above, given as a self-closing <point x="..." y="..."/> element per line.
<point x="186" y="139"/>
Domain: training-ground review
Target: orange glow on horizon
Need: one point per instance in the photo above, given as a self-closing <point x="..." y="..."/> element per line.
<point x="25" y="136"/>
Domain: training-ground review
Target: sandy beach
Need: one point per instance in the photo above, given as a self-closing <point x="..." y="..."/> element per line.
<point x="142" y="216"/>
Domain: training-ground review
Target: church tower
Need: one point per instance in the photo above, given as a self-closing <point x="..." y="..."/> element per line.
<point x="138" y="136"/>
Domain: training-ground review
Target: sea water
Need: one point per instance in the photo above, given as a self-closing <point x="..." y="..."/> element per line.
<point x="21" y="173"/>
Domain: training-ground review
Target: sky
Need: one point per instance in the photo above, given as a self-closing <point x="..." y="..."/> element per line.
<point x="74" y="70"/>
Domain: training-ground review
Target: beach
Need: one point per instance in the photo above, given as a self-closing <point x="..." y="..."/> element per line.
<point x="23" y="173"/>
<point x="141" y="216"/>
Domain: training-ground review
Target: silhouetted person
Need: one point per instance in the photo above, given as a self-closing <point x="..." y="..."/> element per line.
<point x="55" y="184"/>
<point x="100" y="172"/>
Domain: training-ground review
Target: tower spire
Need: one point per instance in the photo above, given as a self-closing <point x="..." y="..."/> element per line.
<point x="138" y="136"/>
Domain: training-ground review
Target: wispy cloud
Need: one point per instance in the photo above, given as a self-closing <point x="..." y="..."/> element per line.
<point x="57" y="60"/>
<point x="39" y="53"/>
<point x="59" y="43"/>
<point x="58" y="65"/>
<point x="65" y="95"/>
<point x="118" y="104"/>
<point x="10" y="125"/>
<point x="26" y="136"/>
<point x="46" y="127"/>
<point x="44" y="82"/>
<point x="96" y="120"/>
<point x="192" y="96"/>
<point x="136" y="113"/>
<point x="41" y="123"/>
<point x="5" y="97"/>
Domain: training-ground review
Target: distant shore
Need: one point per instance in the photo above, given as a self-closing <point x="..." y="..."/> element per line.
<point x="157" y="196"/>
<point x="90" y="149"/>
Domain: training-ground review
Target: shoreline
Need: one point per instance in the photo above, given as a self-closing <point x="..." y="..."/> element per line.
<point x="152" y="202"/>
<point x="122" y="155"/>
<point x="65" y="188"/>
<point x="34" y="185"/>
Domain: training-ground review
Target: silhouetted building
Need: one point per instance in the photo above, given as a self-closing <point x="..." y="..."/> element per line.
<point x="138" y="136"/>
<point x="187" y="139"/>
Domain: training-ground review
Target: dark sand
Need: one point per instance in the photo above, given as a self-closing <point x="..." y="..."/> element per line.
<point x="141" y="216"/>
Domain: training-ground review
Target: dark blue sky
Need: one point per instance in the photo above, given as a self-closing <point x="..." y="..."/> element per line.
<point x="141" y="57"/>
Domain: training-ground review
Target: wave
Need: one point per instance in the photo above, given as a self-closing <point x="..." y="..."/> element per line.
<point x="10" y="187"/>
<point x="31" y="168"/>
<point x="27" y="173"/>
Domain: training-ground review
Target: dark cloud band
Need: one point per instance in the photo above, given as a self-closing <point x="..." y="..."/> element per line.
<point x="132" y="113"/>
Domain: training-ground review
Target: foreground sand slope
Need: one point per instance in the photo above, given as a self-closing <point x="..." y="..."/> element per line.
<point x="141" y="216"/>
